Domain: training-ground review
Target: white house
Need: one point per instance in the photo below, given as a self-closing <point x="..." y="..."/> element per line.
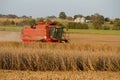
<point x="78" y="19"/>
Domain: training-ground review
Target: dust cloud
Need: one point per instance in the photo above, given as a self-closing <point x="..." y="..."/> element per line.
<point x="10" y="36"/>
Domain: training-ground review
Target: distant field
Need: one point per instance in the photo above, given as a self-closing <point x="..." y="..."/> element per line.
<point x="11" y="19"/>
<point x="113" y="40"/>
<point x="11" y="28"/>
<point x="93" y="31"/>
<point x="80" y="31"/>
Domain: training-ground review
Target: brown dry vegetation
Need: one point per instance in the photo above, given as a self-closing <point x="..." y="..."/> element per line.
<point x="11" y="19"/>
<point x="86" y="57"/>
<point x="112" y="40"/>
<point x="59" y="57"/>
<point x="57" y="75"/>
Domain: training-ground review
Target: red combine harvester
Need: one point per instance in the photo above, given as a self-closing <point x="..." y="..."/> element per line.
<point x="44" y="32"/>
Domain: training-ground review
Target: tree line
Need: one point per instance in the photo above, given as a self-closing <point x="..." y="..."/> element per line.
<point x="97" y="20"/>
<point x="13" y="16"/>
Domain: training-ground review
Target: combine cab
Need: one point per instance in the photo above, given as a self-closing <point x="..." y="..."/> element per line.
<point x="44" y="32"/>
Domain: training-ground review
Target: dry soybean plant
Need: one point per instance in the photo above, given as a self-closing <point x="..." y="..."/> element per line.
<point x="59" y="56"/>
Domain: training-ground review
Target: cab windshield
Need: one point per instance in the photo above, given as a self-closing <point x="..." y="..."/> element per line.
<point x="56" y="32"/>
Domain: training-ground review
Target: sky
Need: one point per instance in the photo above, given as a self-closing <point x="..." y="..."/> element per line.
<point x="44" y="8"/>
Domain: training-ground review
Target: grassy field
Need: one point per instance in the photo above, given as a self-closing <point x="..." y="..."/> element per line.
<point x="80" y="31"/>
<point x="93" y="31"/>
<point x="11" y="28"/>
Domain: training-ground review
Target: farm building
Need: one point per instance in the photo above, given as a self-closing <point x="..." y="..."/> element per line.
<point x="78" y="19"/>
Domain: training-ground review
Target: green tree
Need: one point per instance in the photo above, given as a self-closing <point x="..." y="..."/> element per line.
<point x="73" y="25"/>
<point x="12" y="16"/>
<point x="116" y="24"/>
<point x="107" y="19"/>
<point x="40" y="20"/>
<point x="28" y="22"/>
<point x="62" y="15"/>
<point x="51" y="17"/>
<point x="69" y="18"/>
<point x="78" y="15"/>
<point x="88" y="17"/>
<point x="97" y="20"/>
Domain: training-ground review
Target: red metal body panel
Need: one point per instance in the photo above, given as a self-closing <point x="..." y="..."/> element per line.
<point x="41" y="32"/>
